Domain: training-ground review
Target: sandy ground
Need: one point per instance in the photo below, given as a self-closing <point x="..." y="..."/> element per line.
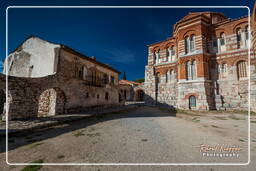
<point x="144" y="135"/>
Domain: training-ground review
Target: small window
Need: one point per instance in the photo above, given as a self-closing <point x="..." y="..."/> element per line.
<point x="241" y="69"/>
<point x="246" y="33"/>
<point x="224" y="67"/>
<point x="98" y="96"/>
<point x="238" y="35"/>
<point x="187" y="65"/>
<point x="81" y="72"/>
<point x="187" y="45"/>
<point x="215" y="43"/>
<point x="105" y="79"/>
<point x="106" y="96"/>
<point x="87" y="95"/>
<point x="222" y="39"/>
<point x="192" y="102"/>
<point x="192" y="43"/>
<point x="112" y="79"/>
<point x="166" y="76"/>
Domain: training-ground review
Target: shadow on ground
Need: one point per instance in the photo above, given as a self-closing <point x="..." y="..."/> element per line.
<point x="21" y="139"/>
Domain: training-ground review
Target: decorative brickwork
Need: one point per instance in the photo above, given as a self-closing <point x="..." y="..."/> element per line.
<point x="210" y="63"/>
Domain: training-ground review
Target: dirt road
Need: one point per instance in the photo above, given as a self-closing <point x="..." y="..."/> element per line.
<point x="144" y="135"/>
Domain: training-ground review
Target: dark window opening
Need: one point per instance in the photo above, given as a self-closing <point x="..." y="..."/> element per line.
<point x="105" y="79"/>
<point x="106" y="96"/>
<point x="192" y="102"/>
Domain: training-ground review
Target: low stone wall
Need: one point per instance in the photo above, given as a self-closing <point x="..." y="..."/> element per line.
<point x="30" y="97"/>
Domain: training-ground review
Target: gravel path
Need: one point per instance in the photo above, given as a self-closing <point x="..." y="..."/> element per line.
<point x="144" y="135"/>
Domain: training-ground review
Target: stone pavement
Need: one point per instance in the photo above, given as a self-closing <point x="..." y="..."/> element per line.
<point x="23" y="126"/>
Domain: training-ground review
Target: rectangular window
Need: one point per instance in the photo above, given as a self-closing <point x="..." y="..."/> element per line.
<point x="81" y="73"/>
<point x="105" y="79"/>
<point x="239" y="37"/>
<point x="112" y="79"/>
<point x="222" y="41"/>
<point x="215" y="43"/>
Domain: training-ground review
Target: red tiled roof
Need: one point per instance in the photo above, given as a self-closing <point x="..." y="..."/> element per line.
<point x="128" y="82"/>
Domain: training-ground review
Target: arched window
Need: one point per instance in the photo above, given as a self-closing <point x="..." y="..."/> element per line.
<point x="167" y="76"/>
<point x="173" y="51"/>
<point x="238" y="37"/>
<point x="224" y="67"/>
<point x="171" y="75"/>
<point x="222" y="39"/>
<point x="187" y="49"/>
<point x="241" y="69"/>
<point x="192" y="102"/>
<point x="192" y="43"/>
<point x="193" y="70"/>
<point x="246" y="31"/>
<point x="154" y="56"/>
<point x="187" y="65"/>
<point x="238" y="34"/>
<point x="157" y="55"/>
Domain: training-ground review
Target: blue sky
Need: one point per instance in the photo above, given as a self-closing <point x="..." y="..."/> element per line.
<point x="118" y="37"/>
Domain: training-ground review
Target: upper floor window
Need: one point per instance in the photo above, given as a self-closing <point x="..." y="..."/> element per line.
<point x="171" y="75"/>
<point x="191" y="70"/>
<point x="189" y="44"/>
<point x="241" y="69"/>
<point x="246" y="31"/>
<point x="187" y="65"/>
<point x="156" y="56"/>
<point x="192" y="43"/>
<point x="171" y="53"/>
<point x="224" y="67"/>
<point x="238" y="35"/>
<point x="167" y="76"/>
<point x="105" y="79"/>
<point x="187" y="49"/>
<point x="222" y="39"/>
<point x="112" y="79"/>
<point x="81" y="73"/>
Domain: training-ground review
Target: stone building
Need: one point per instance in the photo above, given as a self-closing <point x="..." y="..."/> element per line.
<point x="204" y="64"/>
<point x="47" y="79"/>
<point x="131" y="91"/>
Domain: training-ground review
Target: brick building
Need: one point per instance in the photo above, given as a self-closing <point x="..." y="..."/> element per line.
<point x="204" y="65"/>
<point x="46" y="79"/>
<point x="131" y="91"/>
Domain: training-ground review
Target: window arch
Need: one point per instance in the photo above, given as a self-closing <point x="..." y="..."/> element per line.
<point x="192" y="43"/>
<point x="224" y="67"/>
<point x="192" y="102"/>
<point x="222" y="39"/>
<point x="193" y="69"/>
<point x="167" y="76"/>
<point x="246" y="31"/>
<point x="171" y="75"/>
<point x="187" y="65"/>
<point x="241" y="69"/>
<point x="238" y="34"/>
<point x="238" y="37"/>
<point x="187" y="42"/>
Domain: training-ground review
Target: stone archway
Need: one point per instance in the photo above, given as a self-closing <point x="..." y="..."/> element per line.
<point x="139" y="95"/>
<point x="51" y="102"/>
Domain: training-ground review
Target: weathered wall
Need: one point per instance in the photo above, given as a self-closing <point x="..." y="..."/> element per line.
<point x="72" y="96"/>
<point x="34" y="58"/>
